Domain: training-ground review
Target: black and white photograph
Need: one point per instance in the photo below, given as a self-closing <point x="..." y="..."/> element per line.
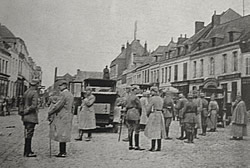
<point x="125" y="84"/>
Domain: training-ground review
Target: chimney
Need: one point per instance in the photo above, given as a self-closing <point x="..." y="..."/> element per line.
<point x="181" y="39"/>
<point x="198" y="26"/>
<point x="172" y="39"/>
<point x="145" y="46"/>
<point x="78" y="71"/>
<point x="123" y="47"/>
<point x="215" y="19"/>
<point x="127" y="44"/>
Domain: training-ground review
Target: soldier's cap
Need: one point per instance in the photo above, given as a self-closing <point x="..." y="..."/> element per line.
<point x="34" y="82"/>
<point x="154" y="88"/>
<point x="62" y="81"/>
<point x="202" y="95"/>
<point x="88" y="88"/>
<point x="128" y="87"/>
<point x="135" y="87"/>
<point x="190" y="95"/>
<point x="181" y="95"/>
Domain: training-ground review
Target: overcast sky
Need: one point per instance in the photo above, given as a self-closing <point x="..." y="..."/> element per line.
<point x="88" y="34"/>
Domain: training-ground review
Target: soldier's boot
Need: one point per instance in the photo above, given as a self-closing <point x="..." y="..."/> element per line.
<point x="152" y="145"/>
<point x="195" y="133"/>
<point x="79" y="138"/>
<point x="137" y="147"/>
<point x="25" y="147"/>
<point x="167" y="133"/>
<point x="159" y="145"/>
<point x="182" y="134"/>
<point x="188" y="137"/>
<point x="185" y="131"/>
<point x="204" y="130"/>
<point x="192" y="137"/>
<point x="29" y="152"/>
<point x="62" y="149"/>
<point x="130" y="137"/>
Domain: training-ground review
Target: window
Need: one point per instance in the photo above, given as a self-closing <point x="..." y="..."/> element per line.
<point x="186" y="49"/>
<point x="184" y="71"/>
<point x="152" y="76"/>
<point x="212" y="67"/>
<point x="3" y="65"/>
<point x="148" y="76"/>
<point x="231" y="36"/>
<point x="6" y="67"/>
<point x="213" y="42"/>
<point x="235" y="61"/>
<point x="0" y="65"/>
<point x="158" y="76"/>
<point x="247" y="66"/>
<point x="143" y="77"/>
<point x="162" y="75"/>
<point x="169" y="76"/>
<point x="224" y="68"/>
<point x="178" y="51"/>
<point x="175" y="72"/>
<point x="195" y="69"/>
<point x="166" y="74"/>
<point x="202" y="67"/>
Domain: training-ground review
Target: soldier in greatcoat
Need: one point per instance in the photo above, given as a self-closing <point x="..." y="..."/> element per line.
<point x="190" y="118"/>
<point x="204" y="113"/>
<point x="155" y="128"/>
<point x="179" y="107"/>
<point x="86" y="115"/>
<point x="133" y="113"/>
<point x="168" y="106"/>
<point x="63" y="115"/>
<point x="213" y="109"/>
<point x="198" y="102"/>
<point x="28" y="109"/>
<point x="239" y="119"/>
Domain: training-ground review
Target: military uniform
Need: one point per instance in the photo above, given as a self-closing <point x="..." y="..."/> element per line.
<point x="155" y="128"/>
<point x="197" y="101"/>
<point x="204" y="115"/>
<point x="133" y="113"/>
<point x="63" y="111"/>
<point x="28" y="109"/>
<point x="190" y="119"/>
<point x="179" y="106"/>
<point x="168" y="106"/>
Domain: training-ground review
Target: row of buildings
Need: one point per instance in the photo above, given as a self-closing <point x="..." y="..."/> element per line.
<point x="17" y="68"/>
<point x="217" y="55"/>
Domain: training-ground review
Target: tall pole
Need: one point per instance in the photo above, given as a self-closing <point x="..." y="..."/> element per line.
<point x="243" y="7"/>
<point x="55" y="76"/>
<point x="135" y="30"/>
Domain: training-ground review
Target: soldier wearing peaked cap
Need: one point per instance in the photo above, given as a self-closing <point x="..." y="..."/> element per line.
<point x="155" y="128"/>
<point x="63" y="111"/>
<point x="204" y="113"/>
<point x="29" y="111"/>
<point x="133" y="113"/>
<point x="190" y="119"/>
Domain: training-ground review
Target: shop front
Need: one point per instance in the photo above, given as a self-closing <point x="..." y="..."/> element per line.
<point x="4" y="85"/>
<point x="245" y="87"/>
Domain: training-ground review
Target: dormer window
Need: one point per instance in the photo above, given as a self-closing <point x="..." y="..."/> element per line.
<point x="186" y="49"/>
<point x="213" y="41"/>
<point x="231" y="36"/>
<point x="178" y="51"/>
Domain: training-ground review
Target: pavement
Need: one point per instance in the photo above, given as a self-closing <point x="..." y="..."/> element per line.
<point x="104" y="151"/>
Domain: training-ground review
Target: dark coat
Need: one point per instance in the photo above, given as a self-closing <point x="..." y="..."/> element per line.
<point x="29" y="110"/>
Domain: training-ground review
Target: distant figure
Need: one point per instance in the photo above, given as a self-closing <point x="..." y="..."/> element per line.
<point x="213" y="109"/>
<point x="239" y="120"/>
<point x="106" y="73"/>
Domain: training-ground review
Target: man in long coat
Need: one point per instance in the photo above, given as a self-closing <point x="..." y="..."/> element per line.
<point x="179" y="106"/>
<point x="28" y="109"/>
<point x="133" y="113"/>
<point x="213" y="109"/>
<point x="168" y="106"/>
<point x="155" y="128"/>
<point x="86" y="116"/>
<point x="204" y="113"/>
<point x="63" y="111"/>
<point x="144" y="102"/>
<point x="239" y="120"/>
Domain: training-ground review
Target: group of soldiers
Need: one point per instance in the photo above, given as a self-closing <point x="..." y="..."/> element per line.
<point x="194" y="113"/>
<point x="152" y="113"/>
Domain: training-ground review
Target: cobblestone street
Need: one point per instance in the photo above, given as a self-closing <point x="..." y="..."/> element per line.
<point x="214" y="150"/>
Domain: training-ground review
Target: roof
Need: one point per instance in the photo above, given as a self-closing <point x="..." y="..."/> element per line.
<point x="82" y="75"/>
<point x="5" y="32"/>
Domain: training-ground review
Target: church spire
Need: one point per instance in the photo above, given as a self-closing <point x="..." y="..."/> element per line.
<point x="135" y="30"/>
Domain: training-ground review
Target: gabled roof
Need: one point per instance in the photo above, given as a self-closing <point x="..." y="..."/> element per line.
<point x="5" y="32"/>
